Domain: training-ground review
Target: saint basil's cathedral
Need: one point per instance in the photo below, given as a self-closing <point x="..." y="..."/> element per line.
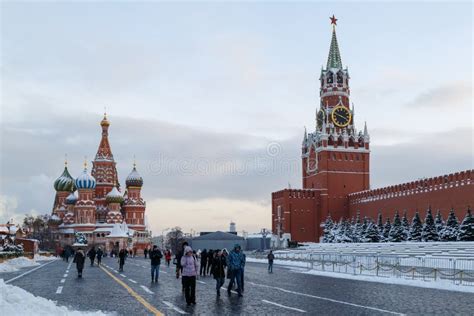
<point x="335" y="164"/>
<point x="93" y="205"/>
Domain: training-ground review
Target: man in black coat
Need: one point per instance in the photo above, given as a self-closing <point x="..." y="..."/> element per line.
<point x="79" y="259"/>
<point x="155" y="257"/>
<point x="99" y="255"/>
<point x="218" y="270"/>
<point x="91" y="255"/>
<point x="202" y="270"/>
<point x="122" y="255"/>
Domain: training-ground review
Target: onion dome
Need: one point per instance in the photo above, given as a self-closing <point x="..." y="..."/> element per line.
<point x="104" y="121"/>
<point x="71" y="199"/>
<point x="114" y="196"/>
<point x="134" y="179"/>
<point x="85" y="180"/>
<point x="65" y="182"/>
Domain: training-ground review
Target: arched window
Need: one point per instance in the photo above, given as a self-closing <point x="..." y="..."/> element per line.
<point x="329" y="77"/>
<point x="340" y="77"/>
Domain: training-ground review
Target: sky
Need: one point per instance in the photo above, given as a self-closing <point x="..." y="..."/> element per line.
<point x="212" y="98"/>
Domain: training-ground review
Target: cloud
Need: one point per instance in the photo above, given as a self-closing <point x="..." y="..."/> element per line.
<point x="449" y="96"/>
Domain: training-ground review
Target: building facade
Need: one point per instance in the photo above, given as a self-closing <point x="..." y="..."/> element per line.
<point x="336" y="169"/>
<point x="92" y="204"/>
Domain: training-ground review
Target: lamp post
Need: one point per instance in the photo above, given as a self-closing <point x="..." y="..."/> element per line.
<point x="264" y="233"/>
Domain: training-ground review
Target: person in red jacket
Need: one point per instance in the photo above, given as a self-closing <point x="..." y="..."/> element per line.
<point x="168" y="257"/>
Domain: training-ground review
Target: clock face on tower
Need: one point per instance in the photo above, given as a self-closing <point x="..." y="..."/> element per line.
<point x="341" y="116"/>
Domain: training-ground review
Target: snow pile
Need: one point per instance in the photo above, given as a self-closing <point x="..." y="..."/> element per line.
<point x="16" y="301"/>
<point x="39" y="257"/>
<point x="290" y="263"/>
<point x="13" y="265"/>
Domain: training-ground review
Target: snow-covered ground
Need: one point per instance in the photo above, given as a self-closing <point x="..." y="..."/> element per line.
<point x="16" y="301"/>
<point x="304" y="267"/>
<point x="15" y="264"/>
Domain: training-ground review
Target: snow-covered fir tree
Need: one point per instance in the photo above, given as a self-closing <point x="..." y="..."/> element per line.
<point x="405" y="225"/>
<point x="344" y="234"/>
<point x="328" y="230"/>
<point x="466" y="229"/>
<point x="386" y="229"/>
<point x="428" y="232"/>
<point x="439" y="223"/>
<point x="380" y="223"/>
<point x="372" y="233"/>
<point x="416" y="228"/>
<point x="451" y="229"/>
<point x="357" y="229"/>
<point x="396" y="233"/>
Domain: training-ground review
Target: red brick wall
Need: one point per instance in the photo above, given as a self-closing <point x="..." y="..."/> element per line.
<point x="300" y="213"/>
<point x="443" y="193"/>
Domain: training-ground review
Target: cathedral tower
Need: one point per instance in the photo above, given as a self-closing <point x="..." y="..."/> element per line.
<point x="134" y="206"/>
<point x="335" y="156"/>
<point x="104" y="171"/>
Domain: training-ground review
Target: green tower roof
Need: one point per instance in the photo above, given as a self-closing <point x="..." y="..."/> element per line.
<point x="334" y="58"/>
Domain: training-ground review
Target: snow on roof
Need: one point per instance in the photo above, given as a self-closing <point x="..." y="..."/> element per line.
<point x="118" y="230"/>
<point x="3" y="229"/>
<point x="103" y="229"/>
<point x="67" y="231"/>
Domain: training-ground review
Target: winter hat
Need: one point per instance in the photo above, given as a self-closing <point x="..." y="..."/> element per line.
<point x="187" y="249"/>
<point x="236" y="246"/>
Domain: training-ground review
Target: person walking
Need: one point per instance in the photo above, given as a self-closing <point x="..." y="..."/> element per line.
<point x="168" y="257"/>
<point x="145" y="252"/>
<point x="210" y="258"/>
<point x="235" y="262"/>
<point x="202" y="269"/>
<point x="91" y="254"/>
<point x="99" y="255"/>
<point x="155" y="257"/>
<point x="270" y="258"/>
<point x="79" y="260"/>
<point x="218" y="270"/>
<point x="122" y="255"/>
<point x="67" y="254"/>
<point x="190" y="268"/>
<point x="179" y="267"/>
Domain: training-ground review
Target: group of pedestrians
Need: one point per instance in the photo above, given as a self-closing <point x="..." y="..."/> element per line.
<point x="218" y="263"/>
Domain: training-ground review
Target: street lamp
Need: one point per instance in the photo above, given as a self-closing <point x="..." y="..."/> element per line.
<point x="264" y="233"/>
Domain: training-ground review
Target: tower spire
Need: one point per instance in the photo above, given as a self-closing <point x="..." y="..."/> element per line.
<point x="334" y="57"/>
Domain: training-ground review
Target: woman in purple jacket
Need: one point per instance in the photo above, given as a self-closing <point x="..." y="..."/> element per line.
<point x="190" y="270"/>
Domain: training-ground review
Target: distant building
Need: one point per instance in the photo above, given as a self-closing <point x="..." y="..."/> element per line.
<point x="217" y="240"/>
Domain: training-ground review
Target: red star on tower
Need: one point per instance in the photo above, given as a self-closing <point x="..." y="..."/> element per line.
<point x="333" y="19"/>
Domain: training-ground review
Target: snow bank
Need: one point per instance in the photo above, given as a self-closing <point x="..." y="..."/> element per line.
<point x="281" y="262"/>
<point x="439" y="284"/>
<point x="45" y="258"/>
<point x="16" y="301"/>
<point x="13" y="265"/>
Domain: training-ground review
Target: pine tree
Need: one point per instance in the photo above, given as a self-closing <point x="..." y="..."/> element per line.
<point x="415" y="229"/>
<point x="357" y="230"/>
<point x="386" y="229"/>
<point x="451" y="229"/>
<point x="328" y="237"/>
<point x="428" y="232"/>
<point x="405" y="225"/>
<point x="466" y="229"/>
<point x="439" y="223"/>
<point x="344" y="232"/>
<point x="380" y="223"/>
<point x="372" y="233"/>
<point x="396" y="233"/>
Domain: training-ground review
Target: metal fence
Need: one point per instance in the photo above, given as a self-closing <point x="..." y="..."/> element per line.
<point x="459" y="271"/>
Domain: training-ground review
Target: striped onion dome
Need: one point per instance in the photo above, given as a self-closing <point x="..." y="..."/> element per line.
<point x="85" y="180"/>
<point x="134" y="179"/>
<point x="114" y="196"/>
<point x="71" y="199"/>
<point x="65" y="182"/>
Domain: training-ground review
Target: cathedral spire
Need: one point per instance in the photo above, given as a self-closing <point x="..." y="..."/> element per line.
<point x="334" y="57"/>
<point x="104" y="152"/>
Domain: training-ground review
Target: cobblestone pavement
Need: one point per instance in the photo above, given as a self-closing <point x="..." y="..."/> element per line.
<point x="283" y="292"/>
